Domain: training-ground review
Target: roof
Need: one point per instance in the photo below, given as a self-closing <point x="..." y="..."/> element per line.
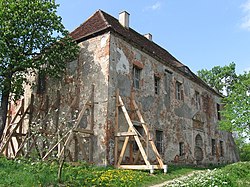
<point x="101" y="22"/>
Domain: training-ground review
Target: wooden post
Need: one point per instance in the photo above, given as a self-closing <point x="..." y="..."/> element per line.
<point x="133" y="130"/>
<point x="116" y="124"/>
<point x="31" y="112"/>
<point x="19" y="138"/>
<point x="158" y="157"/>
<point x="57" y="130"/>
<point x="91" y="146"/>
<point x="76" y="147"/>
<point x="131" y="139"/>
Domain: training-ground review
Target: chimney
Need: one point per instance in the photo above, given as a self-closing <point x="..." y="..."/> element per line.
<point x="124" y="19"/>
<point x="148" y="36"/>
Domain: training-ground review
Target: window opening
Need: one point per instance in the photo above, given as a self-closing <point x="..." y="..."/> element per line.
<point x="178" y="90"/>
<point x="197" y="100"/>
<point x="157" y="84"/>
<point x="181" y="148"/>
<point x="213" y="147"/>
<point x="136" y="77"/>
<point x="159" y="141"/>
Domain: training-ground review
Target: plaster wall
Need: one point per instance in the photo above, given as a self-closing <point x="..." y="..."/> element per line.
<point x="180" y="120"/>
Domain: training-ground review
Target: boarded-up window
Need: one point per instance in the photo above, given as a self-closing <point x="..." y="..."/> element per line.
<point x="159" y="141"/>
<point x="213" y="147"/>
<point x="221" y="148"/>
<point x="181" y="149"/>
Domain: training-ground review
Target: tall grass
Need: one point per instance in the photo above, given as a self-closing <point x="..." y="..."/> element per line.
<point x="29" y="173"/>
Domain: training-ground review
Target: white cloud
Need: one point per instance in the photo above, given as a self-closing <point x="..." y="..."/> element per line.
<point x="246" y="19"/>
<point x="155" y="6"/>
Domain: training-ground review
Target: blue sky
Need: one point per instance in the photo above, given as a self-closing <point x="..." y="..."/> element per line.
<point x="199" y="33"/>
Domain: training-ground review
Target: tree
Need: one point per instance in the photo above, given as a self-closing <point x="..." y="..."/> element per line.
<point x="219" y="78"/>
<point x="32" y="40"/>
<point x="236" y="89"/>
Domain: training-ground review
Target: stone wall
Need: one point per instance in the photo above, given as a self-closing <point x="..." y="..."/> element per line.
<point x="91" y="67"/>
<point x="189" y="121"/>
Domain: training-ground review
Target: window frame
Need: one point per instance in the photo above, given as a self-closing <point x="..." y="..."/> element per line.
<point x="136" y="77"/>
<point x="157" y="84"/>
<point x="218" y="109"/>
<point x="213" y="145"/>
<point x="181" y="149"/>
<point x="141" y="131"/>
<point x="221" y="148"/>
<point x="159" y="142"/>
<point x="197" y="100"/>
<point x="178" y="90"/>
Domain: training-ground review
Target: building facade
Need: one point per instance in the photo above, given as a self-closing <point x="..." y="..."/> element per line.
<point x="182" y="112"/>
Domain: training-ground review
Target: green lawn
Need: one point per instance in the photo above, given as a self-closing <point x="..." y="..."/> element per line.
<point x="30" y="173"/>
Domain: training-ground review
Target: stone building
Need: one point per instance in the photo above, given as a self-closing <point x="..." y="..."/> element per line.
<point x="182" y="112"/>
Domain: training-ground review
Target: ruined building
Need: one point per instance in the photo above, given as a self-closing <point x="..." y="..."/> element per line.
<point x="181" y="111"/>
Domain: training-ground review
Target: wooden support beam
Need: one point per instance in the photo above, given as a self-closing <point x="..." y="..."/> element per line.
<point x="9" y="136"/>
<point x="84" y="131"/>
<point x="123" y="150"/>
<point x="133" y="130"/>
<point x="116" y="124"/>
<point x="144" y="167"/>
<point x="120" y="134"/>
<point x="92" y="123"/>
<point x="158" y="157"/>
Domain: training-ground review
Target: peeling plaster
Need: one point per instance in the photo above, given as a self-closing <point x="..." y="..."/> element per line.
<point x="123" y="63"/>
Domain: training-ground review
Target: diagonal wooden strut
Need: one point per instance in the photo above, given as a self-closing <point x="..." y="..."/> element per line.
<point x="133" y="132"/>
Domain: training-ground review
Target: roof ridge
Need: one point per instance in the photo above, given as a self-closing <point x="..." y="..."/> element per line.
<point x="103" y="17"/>
<point x="85" y="20"/>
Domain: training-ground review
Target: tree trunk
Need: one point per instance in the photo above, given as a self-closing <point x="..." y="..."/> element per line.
<point x="4" y="110"/>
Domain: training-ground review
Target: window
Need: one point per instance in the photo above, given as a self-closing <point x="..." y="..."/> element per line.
<point x="181" y="148"/>
<point x="159" y="141"/>
<point x="157" y="84"/>
<point x="178" y="91"/>
<point x="136" y="77"/>
<point x="213" y="147"/>
<point x="218" y="111"/>
<point x="41" y="83"/>
<point x="221" y="148"/>
<point x="139" y="130"/>
<point x="197" y="100"/>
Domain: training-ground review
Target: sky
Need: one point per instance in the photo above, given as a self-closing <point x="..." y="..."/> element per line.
<point x="199" y="33"/>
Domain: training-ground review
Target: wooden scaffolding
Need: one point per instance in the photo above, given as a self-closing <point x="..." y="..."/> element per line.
<point x="20" y="138"/>
<point x="142" y="143"/>
<point x="53" y="141"/>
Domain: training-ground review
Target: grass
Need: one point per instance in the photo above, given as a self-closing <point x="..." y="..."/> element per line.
<point x="29" y="173"/>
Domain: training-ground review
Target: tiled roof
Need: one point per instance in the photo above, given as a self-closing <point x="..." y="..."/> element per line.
<point x="100" y="22"/>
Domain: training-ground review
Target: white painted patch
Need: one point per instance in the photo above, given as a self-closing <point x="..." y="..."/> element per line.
<point x="123" y="64"/>
<point x="104" y="40"/>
